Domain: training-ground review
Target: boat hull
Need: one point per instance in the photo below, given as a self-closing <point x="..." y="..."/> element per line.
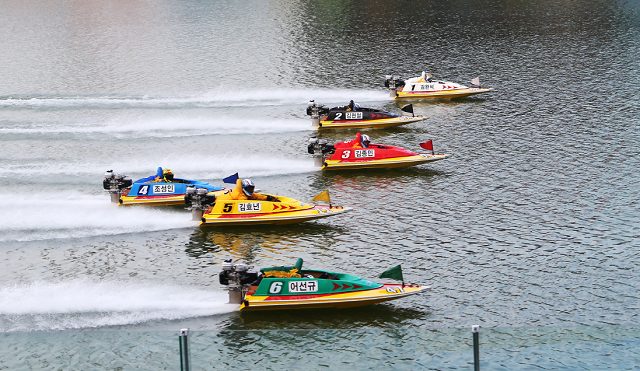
<point x="291" y="211"/>
<point x="394" y="162"/>
<point x="363" y="124"/>
<point x="442" y="94"/>
<point x="159" y="200"/>
<point x="339" y="300"/>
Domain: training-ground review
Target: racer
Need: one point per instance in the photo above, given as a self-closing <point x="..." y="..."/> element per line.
<point x="244" y="191"/>
<point x="167" y="177"/>
<point x="426" y="77"/>
<point x="361" y="141"/>
<point x="353" y="106"/>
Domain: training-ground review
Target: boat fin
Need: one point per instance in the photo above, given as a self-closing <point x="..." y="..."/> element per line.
<point x="408" y="108"/>
<point x="231" y="179"/>
<point x="394" y="273"/>
<point x="322" y="196"/>
<point x="428" y="145"/>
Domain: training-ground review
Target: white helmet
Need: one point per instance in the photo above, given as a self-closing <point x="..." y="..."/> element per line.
<point x="248" y="187"/>
<point x="365" y="138"/>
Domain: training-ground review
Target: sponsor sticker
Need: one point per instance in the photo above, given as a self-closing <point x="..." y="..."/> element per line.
<point x="303" y="286"/>
<point x="362" y="153"/>
<point x="164" y="188"/>
<point x="395" y="290"/>
<point x="249" y="207"/>
<point x="354" y="115"/>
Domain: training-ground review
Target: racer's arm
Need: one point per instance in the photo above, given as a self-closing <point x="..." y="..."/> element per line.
<point x="264" y="197"/>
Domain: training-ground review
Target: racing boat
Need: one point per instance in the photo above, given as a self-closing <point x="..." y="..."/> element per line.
<point x="352" y="117"/>
<point x="296" y="288"/>
<point x="153" y="190"/>
<point x="425" y="86"/>
<point x="283" y="210"/>
<point x="265" y="209"/>
<point x="331" y="157"/>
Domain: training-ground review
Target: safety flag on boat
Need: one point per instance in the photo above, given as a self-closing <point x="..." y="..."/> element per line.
<point x="394" y="273"/>
<point x="476" y="81"/>
<point x="322" y="196"/>
<point x="428" y="145"/>
<point x="408" y="108"/>
<point x="232" y="179"/>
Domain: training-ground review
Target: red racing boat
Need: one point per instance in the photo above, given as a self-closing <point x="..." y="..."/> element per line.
<point x="338" y="156"/>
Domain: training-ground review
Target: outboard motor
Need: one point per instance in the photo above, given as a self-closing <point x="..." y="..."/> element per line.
<point x="319" y="148"/>
<point x="115" y="184"/>
<point x="236" y="278"/>
<point x="315" y="110"/>
<point x="393" y="83"/>
<point x="197" y="200"/>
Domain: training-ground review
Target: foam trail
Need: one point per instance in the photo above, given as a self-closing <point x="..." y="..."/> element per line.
<point x="45" y="216"/>
<point x="219" y="98"/>
<point x="42" y="306"/>
<point x="187" y="166"/>
<point x="169" y="127"/>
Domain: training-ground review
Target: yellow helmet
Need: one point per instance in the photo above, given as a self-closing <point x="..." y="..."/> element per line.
<point x="167" y="174"/>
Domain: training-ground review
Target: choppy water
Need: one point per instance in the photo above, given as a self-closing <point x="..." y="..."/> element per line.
<point x="533" y="222"/>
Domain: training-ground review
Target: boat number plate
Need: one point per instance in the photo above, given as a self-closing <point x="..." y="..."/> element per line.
<point x="395" y="290"/>
<point x="362" y="153"/>
<point x="354" y="115"/>
<point x="249" y="207"/>
<point x="303" y="286"/>
<point x="164" y="188"/>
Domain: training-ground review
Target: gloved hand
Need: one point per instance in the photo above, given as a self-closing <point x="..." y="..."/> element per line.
<point x="272" y="199"/>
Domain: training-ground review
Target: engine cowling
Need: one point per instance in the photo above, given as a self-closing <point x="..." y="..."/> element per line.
<point x="319" y="147"/>
<point x="115" y="184"/>
<point x="393" y="83"/>
<point x="197" y="200"/>
<point x="237" y="278"/>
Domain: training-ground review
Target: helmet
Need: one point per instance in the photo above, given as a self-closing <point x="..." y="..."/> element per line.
<point x="248" y="187"/>
<point x="365" y="140"/>
<point x="167" y="174"/>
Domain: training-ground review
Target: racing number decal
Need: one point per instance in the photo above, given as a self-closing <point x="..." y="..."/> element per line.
<point x="338" y="116"/>
<point x="227" y="208"/>
<point x="143" y="190"/>
<point x="275" y="288"/>
<point x="345" y="154"/>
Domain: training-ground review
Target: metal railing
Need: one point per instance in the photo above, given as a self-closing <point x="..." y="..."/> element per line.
<point x="568" y="348"/>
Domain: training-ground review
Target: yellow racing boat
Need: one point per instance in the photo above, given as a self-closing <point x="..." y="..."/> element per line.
<point x="284" y="210"/>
